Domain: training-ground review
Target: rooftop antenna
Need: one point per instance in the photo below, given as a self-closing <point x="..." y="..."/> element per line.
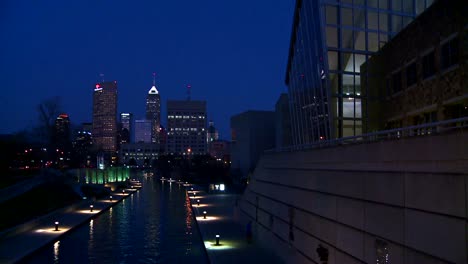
<point x="102" y="77"/>
<point x="154" y="79"/>
<point x="189" y="87"/>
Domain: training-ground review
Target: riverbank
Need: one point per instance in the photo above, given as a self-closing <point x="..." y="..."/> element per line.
<point x="23" y="240"/>
<point x="223" y="218"/>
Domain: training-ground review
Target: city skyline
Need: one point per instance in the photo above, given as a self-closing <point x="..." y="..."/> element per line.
<point x="234" y="64"/>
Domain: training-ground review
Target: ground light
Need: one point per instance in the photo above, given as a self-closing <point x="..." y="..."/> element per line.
<point x="198" y="202"/>
<point x="91" y="208"/>
<point x="226" y="245"/>
<point x="110" y="198"/>
<point x="56" y="226"/>
<point x="217" y="240"/>
<point x="204" y="214"/>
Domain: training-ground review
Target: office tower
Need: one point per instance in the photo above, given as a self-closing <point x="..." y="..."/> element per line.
<point x="62" y="135"/>
<point x="153" y="112"/>
<point x="105" y="116"/>
<point x="126" y="130"/>
<point x="143" y="131"/>
<point x="252" y="133"/>
<point x="82" y="146"/>
<point x="186" y="127"/>
<point x="62" y="145"/>
<point x="212" y="133"/>
<point x="330" y="40"/>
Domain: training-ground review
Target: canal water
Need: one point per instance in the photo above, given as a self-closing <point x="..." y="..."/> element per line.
<point x="154" y="225"/>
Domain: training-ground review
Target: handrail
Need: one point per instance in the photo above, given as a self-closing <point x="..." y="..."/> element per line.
<point x="397" y="133"/>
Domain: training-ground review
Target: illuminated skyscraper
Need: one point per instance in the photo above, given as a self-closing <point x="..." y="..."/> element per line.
<point x="212" y="133"/>
<point x="126" y="129"/>
<point x="105" y="116"/>
<point x="153" y="112"/>
<point x="62" y="131"/>
<point x="186" y="127"/>
<point x="143" y="129"/>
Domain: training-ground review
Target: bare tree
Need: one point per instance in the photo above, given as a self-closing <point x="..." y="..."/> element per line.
<point x="48" y="111"/>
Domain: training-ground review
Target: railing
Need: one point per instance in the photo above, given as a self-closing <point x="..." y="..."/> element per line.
<point x="398" y="133"/>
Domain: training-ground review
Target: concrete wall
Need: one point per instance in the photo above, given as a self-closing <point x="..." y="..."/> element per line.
<point x="410" y="193"/>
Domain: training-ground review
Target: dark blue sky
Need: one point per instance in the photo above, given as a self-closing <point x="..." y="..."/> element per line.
<point x="233" y="53"/>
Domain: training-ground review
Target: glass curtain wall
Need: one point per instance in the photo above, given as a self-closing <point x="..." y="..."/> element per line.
<point x="330" y="41"/>
<point x="306" y="77"/>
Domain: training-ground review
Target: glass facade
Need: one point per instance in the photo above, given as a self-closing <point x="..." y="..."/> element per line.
<point x="330" y="41"/>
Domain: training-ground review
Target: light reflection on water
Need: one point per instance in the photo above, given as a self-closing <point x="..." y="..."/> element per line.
<point x="154" y="225"/>
<point x="56" y="251"/>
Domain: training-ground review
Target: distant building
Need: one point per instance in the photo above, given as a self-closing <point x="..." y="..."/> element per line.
<point x="253" y="132"/>
<point x="139" y="154"/>
<point x="82" y="145"/>
<point x="421" y="76"/>
<point x="105" y="117"/>
<point x="162" y="139"/>
<point x="186" y="127"/>
<point x="283" y="122"/>
<point x="220" y="149"/>
<point x="212" y="133"/>
<point x="88" y="127"/>
<point x="62" y="133"/>
<point x="62" y="140"/>
<point x="126" y="129"/>
<point x="143" y="131"/>
<point x="153" y="112"/>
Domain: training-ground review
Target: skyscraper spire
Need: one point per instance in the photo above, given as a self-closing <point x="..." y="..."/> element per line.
<point x="189" y="88"/>
<point x="153" y="110"/>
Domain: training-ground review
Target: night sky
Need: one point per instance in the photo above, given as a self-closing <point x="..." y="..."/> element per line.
<point x="233" y="53"/>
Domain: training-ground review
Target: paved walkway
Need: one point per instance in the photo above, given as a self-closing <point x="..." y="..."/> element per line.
<point x="223" y="218"/>
<point x="23" y="240"/>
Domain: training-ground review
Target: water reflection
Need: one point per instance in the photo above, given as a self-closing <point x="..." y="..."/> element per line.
<point x="56" y="251"/>
<point x="154" y="225"/>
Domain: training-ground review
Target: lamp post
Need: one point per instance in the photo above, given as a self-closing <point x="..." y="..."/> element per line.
<point x="110" y="198"/>
<point x="204" y="214"/>
<point x="91" y="208"/>
<point x="198" y="202"/>
<point x="56" y="226"/>
<point x="217" y="240"/>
